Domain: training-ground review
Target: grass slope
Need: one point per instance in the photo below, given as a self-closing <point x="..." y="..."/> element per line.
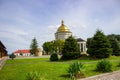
<point x="18" y="68"/>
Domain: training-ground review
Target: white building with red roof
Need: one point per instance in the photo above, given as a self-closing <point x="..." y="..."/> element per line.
<point x="24" y="52"/>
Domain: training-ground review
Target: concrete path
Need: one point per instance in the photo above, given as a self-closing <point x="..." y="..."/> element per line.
<point x="28" y="57"/>
<point x="106" y="76"/>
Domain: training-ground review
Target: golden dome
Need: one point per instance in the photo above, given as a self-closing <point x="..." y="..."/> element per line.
<point x="63" y="28"/>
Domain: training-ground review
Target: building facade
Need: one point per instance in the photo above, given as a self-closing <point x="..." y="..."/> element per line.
<point x="63" y="32"/>
<point x="24" y="52"/>
<point x="82" y="45"/>
<point x="3" y="51"/>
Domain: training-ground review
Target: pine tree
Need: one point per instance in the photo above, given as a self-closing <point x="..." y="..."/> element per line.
<point x="70" y="49"/>
<point x="33" y="46"/>
<point x="100" y="46"/>
<point x="114" y="44"/>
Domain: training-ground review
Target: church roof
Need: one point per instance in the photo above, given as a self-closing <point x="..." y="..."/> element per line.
<point x="80" y="39"/>
<point x="63" y="28"/>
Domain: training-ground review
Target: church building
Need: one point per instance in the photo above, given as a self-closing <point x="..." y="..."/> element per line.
<point x="63" y="32"/>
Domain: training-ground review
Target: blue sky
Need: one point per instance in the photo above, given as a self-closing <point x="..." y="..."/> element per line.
<point x="22" y="20"/>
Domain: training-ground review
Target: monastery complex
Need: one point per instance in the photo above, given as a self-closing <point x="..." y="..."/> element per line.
<point x="62" y="33"/>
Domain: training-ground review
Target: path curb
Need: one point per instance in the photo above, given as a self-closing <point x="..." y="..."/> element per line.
<point x="99" y="76"/>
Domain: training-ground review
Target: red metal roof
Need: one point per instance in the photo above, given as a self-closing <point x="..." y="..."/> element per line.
<point x="22" y="51"/>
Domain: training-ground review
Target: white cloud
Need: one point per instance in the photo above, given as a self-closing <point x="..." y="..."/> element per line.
<point x="14" y="37"/>
<point x="52" y="27"/>
<point x="13" y="30"/>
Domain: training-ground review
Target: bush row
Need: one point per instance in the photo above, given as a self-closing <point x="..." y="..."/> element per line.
<point x="76" y="69"/>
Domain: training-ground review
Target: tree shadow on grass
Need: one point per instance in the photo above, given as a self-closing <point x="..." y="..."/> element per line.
<point x="65" y="76"/>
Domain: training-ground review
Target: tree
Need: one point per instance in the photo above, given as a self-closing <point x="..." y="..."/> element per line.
<point x="61" y="45"/>
<point x="53" y="46"/>
<point x="33" y="46"/>
<point x="12" y="56"/>
<point x="71" y="49"/>
<point x="117" y="37"/>
<point x="100" y="46"/>
<point x="114" y="44"/>
<point x="47" y="47"/>
<point x="58" y="46"/>
<point x="89" y="42"/>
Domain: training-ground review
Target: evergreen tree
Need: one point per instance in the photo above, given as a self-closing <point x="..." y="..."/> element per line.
<point x="33" y="46"/>
<point x="71" y="49"/>
<point x="100" y="46"/>
<point x="117" y="37"/>
<point x="114" y="44"/>
<point x="89" y="42"/>
<point x="12" y="56"/>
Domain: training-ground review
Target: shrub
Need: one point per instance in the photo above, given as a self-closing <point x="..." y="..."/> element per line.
<point x="70" y="55"/>
<point x="54" y="57"/>
<point x="12" y="56"/>
<point x="34" y="76"/>
<point x="104" y="66"/>
<point x="118" y="64"/>
<point x="75" y="70"/>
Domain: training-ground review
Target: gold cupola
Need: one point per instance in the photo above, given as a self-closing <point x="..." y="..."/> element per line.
<point x="63" y="28"/>
<point x="63" y="32"/>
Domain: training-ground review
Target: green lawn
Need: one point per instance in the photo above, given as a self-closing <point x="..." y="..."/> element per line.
<point x="18" y="68"/>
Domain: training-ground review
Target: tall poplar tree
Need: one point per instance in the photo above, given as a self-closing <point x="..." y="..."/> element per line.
<point x="33" y="46"/>
<point x="100" y="46"/>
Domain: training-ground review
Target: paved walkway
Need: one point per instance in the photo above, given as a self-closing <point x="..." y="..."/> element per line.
<point x="106" y="76"/>
<point x="28" y="57"/>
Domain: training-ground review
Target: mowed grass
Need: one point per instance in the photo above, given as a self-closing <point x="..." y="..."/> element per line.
<point x="17" y="69"/>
